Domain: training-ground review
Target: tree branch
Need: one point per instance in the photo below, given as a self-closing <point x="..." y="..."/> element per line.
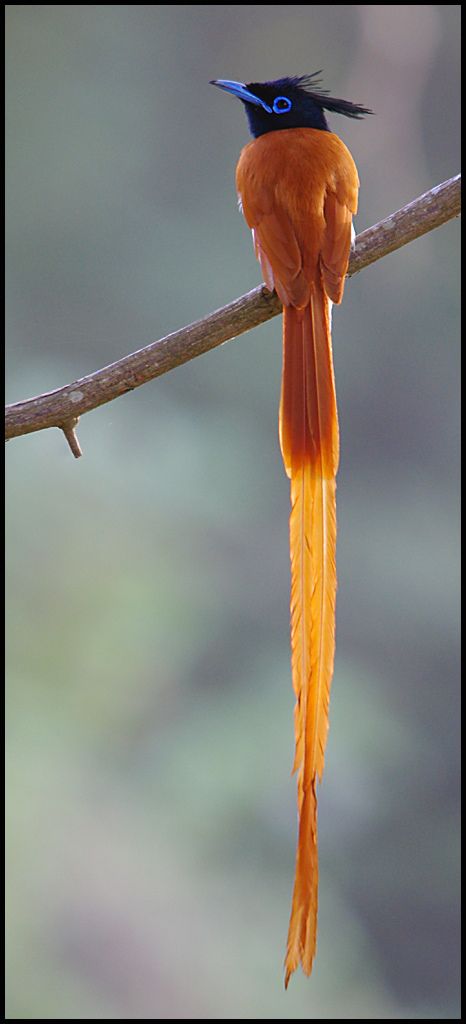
<point x="62" y="408"/>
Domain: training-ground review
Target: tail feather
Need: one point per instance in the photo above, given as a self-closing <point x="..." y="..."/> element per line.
<point x="301" y="943"/>
<point x="309" y="442"/>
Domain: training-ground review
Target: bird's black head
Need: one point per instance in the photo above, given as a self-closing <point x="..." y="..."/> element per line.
<point x="288" y="103"/>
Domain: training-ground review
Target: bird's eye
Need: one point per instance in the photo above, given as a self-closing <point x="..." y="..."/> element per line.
<point x="281" y="105"/>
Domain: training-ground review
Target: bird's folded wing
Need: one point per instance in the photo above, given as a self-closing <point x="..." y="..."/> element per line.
<point x="334" y="254"/>
<point x="280" y="258"/>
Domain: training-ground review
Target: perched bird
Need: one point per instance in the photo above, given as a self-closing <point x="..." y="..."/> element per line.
<point x="298" y="189"/>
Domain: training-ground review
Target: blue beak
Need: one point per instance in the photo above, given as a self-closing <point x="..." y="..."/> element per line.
<point x="239" y="90"/>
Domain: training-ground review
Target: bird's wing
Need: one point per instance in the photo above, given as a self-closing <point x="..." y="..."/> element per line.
<point x="340" y="204"/>
<point x="277" y="247"/>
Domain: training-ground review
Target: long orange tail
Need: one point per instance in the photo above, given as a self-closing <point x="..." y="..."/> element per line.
<point x="309" y="444"/>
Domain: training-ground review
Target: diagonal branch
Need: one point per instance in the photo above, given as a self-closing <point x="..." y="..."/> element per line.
<point x="62" y="408"/>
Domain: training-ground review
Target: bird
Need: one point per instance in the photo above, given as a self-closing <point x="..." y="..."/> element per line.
<point x="297" y="186"/>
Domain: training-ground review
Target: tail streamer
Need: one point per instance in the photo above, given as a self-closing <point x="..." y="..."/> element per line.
<point x="308" y="428"/>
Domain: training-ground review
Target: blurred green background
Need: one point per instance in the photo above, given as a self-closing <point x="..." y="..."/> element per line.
<point x="151" y="813"/>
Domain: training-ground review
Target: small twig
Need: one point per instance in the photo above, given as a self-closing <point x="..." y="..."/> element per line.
<point x="69" y="430"/>
<point x="62" y="407"/>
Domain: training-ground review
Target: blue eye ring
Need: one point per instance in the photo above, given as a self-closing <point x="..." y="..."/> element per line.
<point x="281" y="105"/>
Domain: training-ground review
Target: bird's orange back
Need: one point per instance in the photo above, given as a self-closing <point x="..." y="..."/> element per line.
<point x="299" y="192"/>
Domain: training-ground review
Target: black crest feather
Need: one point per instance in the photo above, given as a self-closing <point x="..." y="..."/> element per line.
<point x="310" y="84"/>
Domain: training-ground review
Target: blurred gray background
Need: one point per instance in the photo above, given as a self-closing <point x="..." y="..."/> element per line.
<point x="151" y="814"/>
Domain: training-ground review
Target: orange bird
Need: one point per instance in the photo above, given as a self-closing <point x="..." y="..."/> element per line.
<point x="298" y="189"/>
